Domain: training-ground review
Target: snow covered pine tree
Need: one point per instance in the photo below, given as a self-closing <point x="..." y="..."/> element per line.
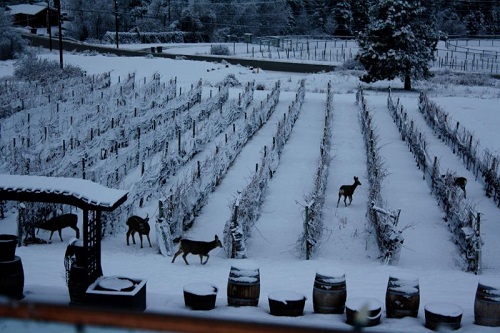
<point x="399" y="41"/>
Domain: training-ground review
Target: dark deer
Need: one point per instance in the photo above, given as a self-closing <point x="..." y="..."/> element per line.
<point x="60" y="222"/>
<point x="456" y="181"/>
<point x="197" y="247"/>
<point x="461" y="182"/>
<point x="140" y="225"/>
<point x="347" y="191"/>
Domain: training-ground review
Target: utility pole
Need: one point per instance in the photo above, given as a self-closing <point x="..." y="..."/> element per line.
<point x="49" y="27"/>
<point x="116" y="23"/>
<point x="58" y="4"/>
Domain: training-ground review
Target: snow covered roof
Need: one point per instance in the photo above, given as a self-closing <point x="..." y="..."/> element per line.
<point x="81" y="193"/>
<point x="26" y="9"/>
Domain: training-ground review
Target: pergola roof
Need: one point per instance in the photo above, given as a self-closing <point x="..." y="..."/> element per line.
<point x="81" y="193"/>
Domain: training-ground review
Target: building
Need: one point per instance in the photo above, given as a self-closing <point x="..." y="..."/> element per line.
<point x="35" y="16"/>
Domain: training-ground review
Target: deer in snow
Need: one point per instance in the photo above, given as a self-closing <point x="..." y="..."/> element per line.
<point x="347" y="191"/>
<point x="140" y="225"/>
<point x="456" y="181"/>
<point x="58" y="223"/>
<point x="197" y="247"/>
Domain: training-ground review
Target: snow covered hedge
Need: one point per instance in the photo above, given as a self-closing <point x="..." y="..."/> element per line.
<point x="389" y="237"/>
<point x="462" y="141"/>
<point x="187" y="197"/>
<point x="246" y="207"/>
<point x="463" y="220"/>
<point x="309" y="241"/>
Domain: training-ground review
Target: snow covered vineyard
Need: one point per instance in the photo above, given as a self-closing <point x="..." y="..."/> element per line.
<point x="297" y="141"/>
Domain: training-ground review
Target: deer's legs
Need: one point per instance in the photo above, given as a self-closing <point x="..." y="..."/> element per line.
<point x="149" y="240"/>
<point x="184" y="257"/>
<point x="176" y="254"/>
<point x="201" y="258"/>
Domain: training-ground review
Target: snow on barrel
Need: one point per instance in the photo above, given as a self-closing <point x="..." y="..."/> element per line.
<point x="402" y="297"/>
<point x="363" y="312"/>
<point x="286" y="303"/>
<point x="200" y="295"/>
<point x="443" y="316"/>
<point x="243" y="285"/>
<point x="487" y="303"/>
<point x="329" y="292"/>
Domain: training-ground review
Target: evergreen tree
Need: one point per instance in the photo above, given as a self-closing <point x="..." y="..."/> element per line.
<point x="343" y="18"/>
<point x="11" y="42"/>
<point x="399" y="41"/>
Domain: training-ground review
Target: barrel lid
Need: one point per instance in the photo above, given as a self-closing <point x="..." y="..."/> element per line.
<point x="331" y="272"/>
<point x="286" y="295"/>
<point x="444" y="309"/>
<point x="201" y="288"/>
<point x="492" y="282"/>
<point x="244" y="265"/>
<point x="358" y="303"/>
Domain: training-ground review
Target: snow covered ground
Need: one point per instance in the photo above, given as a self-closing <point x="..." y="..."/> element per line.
<point x="349" y="243"/>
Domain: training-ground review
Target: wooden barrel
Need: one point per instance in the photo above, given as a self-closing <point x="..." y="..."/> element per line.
<point x="76" y="249"/>
<point x="200" y="296"/>
<point x="443" y="316"/>
<point x="363" y="312"/>
<point x="77" y="284"/>
<point x="329" y="291"/>
<point x="243" y="285"/>
<point x="8" y="244"/>
<point x="286" y="303"/>
<point x="402" y="298"/>
<point x="487" y="304"/>
<point x="12" y="278"/>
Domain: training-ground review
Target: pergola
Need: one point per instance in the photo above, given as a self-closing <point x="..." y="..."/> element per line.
<point x="81" y="193"/>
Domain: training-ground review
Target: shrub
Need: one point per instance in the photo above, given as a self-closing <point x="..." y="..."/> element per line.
<point x="43" y="70"/>
<point x="219" y="50"/>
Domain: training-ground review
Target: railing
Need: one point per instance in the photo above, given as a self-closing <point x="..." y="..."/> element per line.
<point x="85" y="316"/>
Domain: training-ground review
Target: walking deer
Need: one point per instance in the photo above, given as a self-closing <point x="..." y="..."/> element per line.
<point x="347" y="191"/>
<point x="197" y="247"/>
<point x="60" y="222"/>
<point x="140" y="225"/>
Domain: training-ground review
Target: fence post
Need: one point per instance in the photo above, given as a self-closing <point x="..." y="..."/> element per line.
<point x="306" y="232"/>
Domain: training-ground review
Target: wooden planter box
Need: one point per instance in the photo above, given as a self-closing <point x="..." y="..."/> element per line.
<point x="117" y="292"/>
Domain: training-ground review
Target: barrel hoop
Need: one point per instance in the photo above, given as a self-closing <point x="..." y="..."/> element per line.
<point x="400" y="293"/>
<point x="330" y="291"/>
<point x="243" y="301"/>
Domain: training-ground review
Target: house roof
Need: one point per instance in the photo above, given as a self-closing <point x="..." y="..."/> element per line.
<point x="26" y="9"/>
<point x="77" y="192"/>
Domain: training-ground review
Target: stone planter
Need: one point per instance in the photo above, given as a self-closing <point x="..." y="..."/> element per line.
<point x="117" y="292"/>
<point x="286" y="303"/>
<point x="200" y="296"/>
<point x="363" y="312"/>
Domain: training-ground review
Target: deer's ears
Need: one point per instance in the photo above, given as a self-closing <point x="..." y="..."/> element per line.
<point x="216" y="237"/>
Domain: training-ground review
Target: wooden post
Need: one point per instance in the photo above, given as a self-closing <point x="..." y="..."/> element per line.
<point x="306" y="232"/>
<point x="179" y="141"/>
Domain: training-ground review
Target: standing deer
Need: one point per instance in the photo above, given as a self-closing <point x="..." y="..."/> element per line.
<point x="461" y="182"/>
<point x="140" y="225"/>
<point x="60" y="222"/>
<point x="457" y="181"/>
<point x="347" y="191"/>
<point x="197" y="247"/>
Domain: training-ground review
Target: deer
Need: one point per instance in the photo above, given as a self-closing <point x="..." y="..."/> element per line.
<point x="458" y="182"/>
<point x="197" y="247"/>
<point x="60" y="222"/>
<point x="140" y="225"/>
<point x="347" y="191"/>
